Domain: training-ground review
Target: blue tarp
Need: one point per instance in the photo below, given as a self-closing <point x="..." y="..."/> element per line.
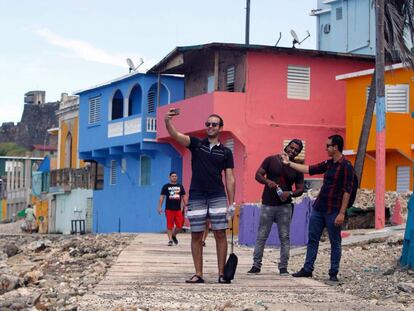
<point x="45" y="165"/>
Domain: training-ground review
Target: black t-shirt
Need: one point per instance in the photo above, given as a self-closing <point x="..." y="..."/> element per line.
<point x="207" y="167"/>
<point x="173" y="194"/>
<point x="283" y="175"/>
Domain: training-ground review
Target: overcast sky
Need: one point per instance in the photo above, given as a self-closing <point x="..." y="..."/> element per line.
<point x="63" y="46"/>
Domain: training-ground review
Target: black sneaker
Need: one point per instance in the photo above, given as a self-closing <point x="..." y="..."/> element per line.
<point x="333" y="278"/>
<point x="302" y="273"/>
<point x="174" y="238"/>
<point x="254" y="270"/>
<point x="283" y="272"/>
<point x="170" y="243"/>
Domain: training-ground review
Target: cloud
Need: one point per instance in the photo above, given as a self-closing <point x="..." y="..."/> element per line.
<point x="81" y="49"/>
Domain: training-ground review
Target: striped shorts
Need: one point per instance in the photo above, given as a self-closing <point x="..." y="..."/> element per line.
<point x="213" y="208"/>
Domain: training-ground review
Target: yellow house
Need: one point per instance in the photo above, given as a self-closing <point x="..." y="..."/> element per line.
<point x="68" y="133"/>
<point x="399" y="97"/>
<point x="67" y="158"/>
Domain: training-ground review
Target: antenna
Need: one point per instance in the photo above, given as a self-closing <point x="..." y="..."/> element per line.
<point x="295" y="37"/>
<point x="280" y="37"/>
<point x="307" y="36"/>
<point x="132" y="66"/>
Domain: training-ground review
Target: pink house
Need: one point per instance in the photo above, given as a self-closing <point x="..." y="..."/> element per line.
<point x="266" y="96"/>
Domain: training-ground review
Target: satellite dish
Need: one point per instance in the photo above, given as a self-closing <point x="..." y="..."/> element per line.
<point x="132" y="66"/>
<point x="295" y="38"/>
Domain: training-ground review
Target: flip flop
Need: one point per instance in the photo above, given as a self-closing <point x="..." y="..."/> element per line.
<point x="195" y="279"/>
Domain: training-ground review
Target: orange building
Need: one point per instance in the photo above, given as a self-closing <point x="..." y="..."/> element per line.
<point x="399" y="97"/>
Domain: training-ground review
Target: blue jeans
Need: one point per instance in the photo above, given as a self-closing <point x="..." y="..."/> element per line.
<point x="281" y="215"/>
<point x="318" y="221"/>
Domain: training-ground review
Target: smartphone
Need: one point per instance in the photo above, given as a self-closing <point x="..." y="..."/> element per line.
<point x="175" y="111"/>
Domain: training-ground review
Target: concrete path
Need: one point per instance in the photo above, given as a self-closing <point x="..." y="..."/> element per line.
<point x="149" y="275"/>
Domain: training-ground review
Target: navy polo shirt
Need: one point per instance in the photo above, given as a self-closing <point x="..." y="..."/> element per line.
<point x="207" y="167"/>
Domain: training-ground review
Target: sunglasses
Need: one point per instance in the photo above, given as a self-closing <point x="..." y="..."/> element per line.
<point x="213" y="124"/>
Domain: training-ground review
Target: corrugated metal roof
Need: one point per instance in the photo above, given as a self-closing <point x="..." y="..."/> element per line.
<point x="253" y="48"/>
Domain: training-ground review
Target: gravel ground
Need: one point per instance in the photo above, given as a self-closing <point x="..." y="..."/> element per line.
<point x="53" y="272"/>
<point x="369" y="270"/>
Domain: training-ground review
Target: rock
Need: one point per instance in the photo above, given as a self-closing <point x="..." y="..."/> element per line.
<point x="406" y="287"/>
<point x="10" y="250"/>
<point x="32" y="276"/>
<point x="8" y="283"/>
<point x="390" y="271"/>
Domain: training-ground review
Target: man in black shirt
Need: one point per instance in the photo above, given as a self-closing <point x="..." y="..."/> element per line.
<point x="174" y="207"/>
<point x="276" y="203"/>
<point x="207" y="195"/>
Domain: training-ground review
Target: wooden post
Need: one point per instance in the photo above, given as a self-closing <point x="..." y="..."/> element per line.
<point x="380" y="124"/>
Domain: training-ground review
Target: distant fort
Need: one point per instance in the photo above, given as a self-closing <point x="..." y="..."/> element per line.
<point x="38" y="116"/>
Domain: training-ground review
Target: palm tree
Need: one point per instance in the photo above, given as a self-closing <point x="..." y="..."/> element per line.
<point x="398" y="24"/>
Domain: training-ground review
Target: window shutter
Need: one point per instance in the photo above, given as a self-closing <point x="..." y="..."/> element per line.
<point x="298" y="82"/>
<point x="94" y="110"/>
<point x="230" y="77"/>
<point x="339" y="13"/>
<point x="403" y="178"/>
<point x="301" y="155"/>
<point x="112" y="176"/>
<point x="230" y="144"/>
<point x="397" y="98"/>
<point x="145" y="171"/>
<point x="151" y="101"/>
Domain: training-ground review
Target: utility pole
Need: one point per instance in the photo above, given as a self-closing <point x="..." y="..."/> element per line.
<point x="247" y="21"/>
<point x="380" y="124"/>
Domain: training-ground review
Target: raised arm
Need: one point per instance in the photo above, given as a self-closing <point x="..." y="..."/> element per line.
<point x="296" y="166"/>
<point x="182" y="139"/>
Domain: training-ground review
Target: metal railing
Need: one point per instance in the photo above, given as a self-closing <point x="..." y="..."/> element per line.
<point x="151" y="125"/>
<point x="69" y="178"/>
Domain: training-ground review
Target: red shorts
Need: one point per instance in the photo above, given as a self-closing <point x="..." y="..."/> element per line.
<point x="174" y="217"/>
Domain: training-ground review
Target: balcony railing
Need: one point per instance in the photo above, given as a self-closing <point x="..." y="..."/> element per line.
<point x="67" y="178"/>
<point x="151" y="125"/>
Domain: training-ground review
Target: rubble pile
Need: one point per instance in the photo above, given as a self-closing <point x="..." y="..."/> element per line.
<point x="365" y="198"/>
<point x="369" y="270"/>
<point x="52" y="272"/>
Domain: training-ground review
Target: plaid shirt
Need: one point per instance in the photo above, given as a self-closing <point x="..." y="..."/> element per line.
<point x="337" y="179"/>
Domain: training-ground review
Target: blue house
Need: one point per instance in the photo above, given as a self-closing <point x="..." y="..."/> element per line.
<point x="345" y="26"/>
<point x="117" y="133"/>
